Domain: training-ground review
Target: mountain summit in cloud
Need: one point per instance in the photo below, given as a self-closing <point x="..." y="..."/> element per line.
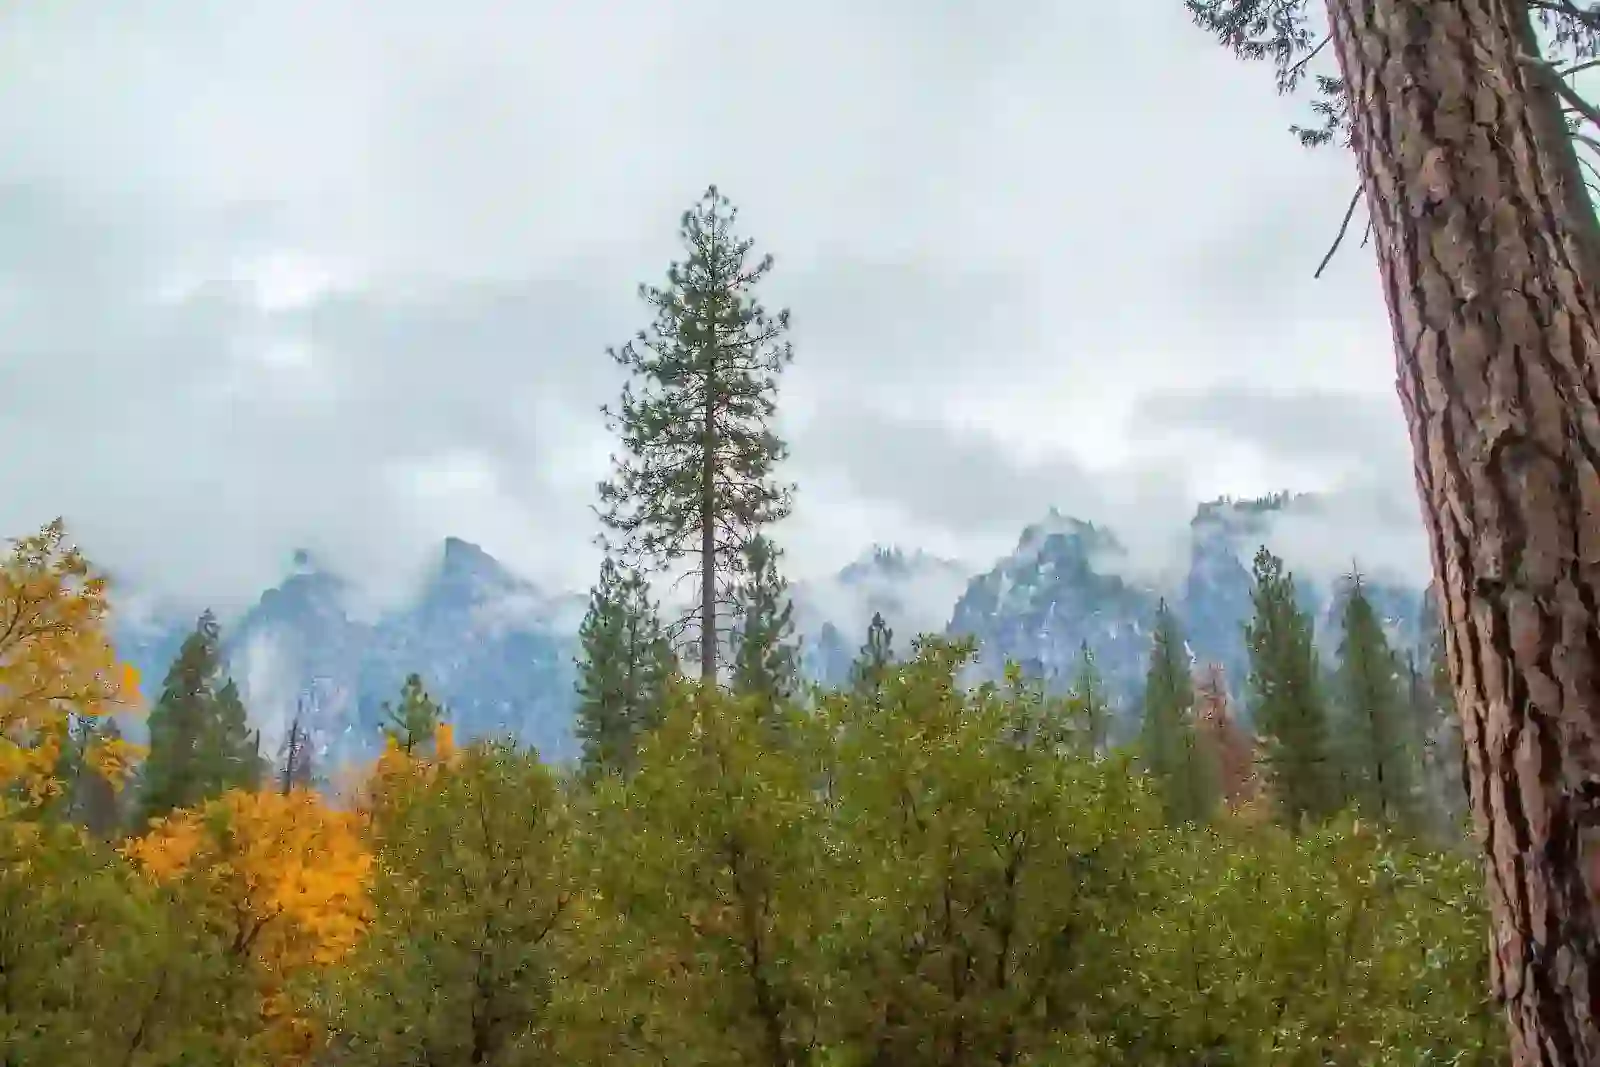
<point x="499" y="649"/>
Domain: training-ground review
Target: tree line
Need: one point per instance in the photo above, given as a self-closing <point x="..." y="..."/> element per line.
<point x="906" y="870"/>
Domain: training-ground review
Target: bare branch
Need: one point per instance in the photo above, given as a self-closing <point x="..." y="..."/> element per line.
<point x="1339" y="237"/>
<point x="1553" y="79"/>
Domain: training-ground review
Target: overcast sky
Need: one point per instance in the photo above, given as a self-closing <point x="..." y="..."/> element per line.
<point x="343" y="275"/>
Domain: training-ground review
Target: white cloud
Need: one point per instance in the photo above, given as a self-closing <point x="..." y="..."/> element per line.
<point x="247" y="311"/>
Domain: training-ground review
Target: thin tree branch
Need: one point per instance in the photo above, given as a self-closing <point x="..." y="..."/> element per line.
<point x="1553" y="79"/>
<point x="1339" y="237"/>
<point x="1579" y="68"/>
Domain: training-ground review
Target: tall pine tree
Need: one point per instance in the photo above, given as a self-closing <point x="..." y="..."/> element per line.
<point x="623" y="671"/>
<point x="867" y="673"/>
<point x="1169" y="744"/>
<point x="237" y="748"/>
<point x="415" y="722"/>
<point x="766" y="660"/>
<point x="1089" y="689"/>
<point x="200" y="740"/>
<point x="695" y="480"/>
<point x="1379" y="750"/>
<point x="1287" y="702"/>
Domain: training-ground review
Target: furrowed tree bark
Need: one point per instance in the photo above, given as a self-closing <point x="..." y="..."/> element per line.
<point x="1494" y="322"/>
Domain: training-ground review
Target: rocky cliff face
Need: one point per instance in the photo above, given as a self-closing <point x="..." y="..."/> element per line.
<point x="499" y="651"/>
<point x="495" y="649"/>
<point x="1061" y="588"/>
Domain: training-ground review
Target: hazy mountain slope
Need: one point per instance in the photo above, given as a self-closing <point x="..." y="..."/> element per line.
<point x="498" y="650"/>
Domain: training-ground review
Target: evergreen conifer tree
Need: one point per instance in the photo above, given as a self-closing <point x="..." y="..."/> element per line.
<point x="623" y="671"/>
<point x="236" y="749"/>
<point x="1088" y="688"/>
<point x="1380" y="754"/>
<point x="766" y="660"/>
<point x="416" y="721"/>
<point x="1287" y="702"/>
<point x="874" y="662"/>
<point x="695" y="480"/>
<point x="200" y="740"/>
<point x="1169" y="744"/>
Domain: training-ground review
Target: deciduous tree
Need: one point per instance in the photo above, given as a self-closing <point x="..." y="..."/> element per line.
<point x="471" y="900"/>
<point x="56" y="662"/>
<point x="280" y="881"/>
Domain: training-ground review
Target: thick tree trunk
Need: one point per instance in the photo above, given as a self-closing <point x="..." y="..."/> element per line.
<point x="1494" y="323"/>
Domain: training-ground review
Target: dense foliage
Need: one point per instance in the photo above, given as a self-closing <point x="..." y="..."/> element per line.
<point x="906" y="871"/>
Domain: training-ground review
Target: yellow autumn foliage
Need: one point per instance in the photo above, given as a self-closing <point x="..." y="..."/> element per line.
<point x="394" y="766"/>
<point x="291" y="870"/>
<point x="56" y="661"/>
<point x="283" y="879"/>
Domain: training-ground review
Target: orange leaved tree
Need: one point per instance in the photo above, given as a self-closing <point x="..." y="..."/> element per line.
<point x="280" y="882"/>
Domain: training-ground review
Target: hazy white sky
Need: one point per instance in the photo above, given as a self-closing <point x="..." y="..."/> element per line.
<point x="343" y="274"/>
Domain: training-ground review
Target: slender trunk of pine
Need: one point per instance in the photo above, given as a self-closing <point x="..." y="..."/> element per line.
<point x="1483" y="267"/>
<point x="708" y="539"/>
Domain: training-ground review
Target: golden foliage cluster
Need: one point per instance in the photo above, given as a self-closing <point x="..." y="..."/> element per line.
<point x="56" y="662"/>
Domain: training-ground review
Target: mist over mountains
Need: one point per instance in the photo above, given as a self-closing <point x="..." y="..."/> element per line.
<point x="499" y="650"/>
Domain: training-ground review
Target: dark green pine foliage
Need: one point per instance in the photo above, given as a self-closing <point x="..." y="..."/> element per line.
<point x="623" y="671"/>
<point x="695" y="478"/>
<point x="872" y="666"/>
<point x="200" y="741"/>
<point x="237" y="748"/>
<point x="1376" y="732"/>
<point x="1286" y="700"/>
<point x="1169" y="744"/>
<point x="1089" y="690"/>
<point x="766" y="658"/>
<point x="416" y="720"/>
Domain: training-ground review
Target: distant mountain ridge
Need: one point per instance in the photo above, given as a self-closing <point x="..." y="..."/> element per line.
<point x="499" y="651"/>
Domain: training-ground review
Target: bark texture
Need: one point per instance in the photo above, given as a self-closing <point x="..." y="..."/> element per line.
<point x="1494" y="323"/>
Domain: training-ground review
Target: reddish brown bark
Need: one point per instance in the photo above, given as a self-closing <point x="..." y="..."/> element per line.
<point x="1495" y="335"/>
